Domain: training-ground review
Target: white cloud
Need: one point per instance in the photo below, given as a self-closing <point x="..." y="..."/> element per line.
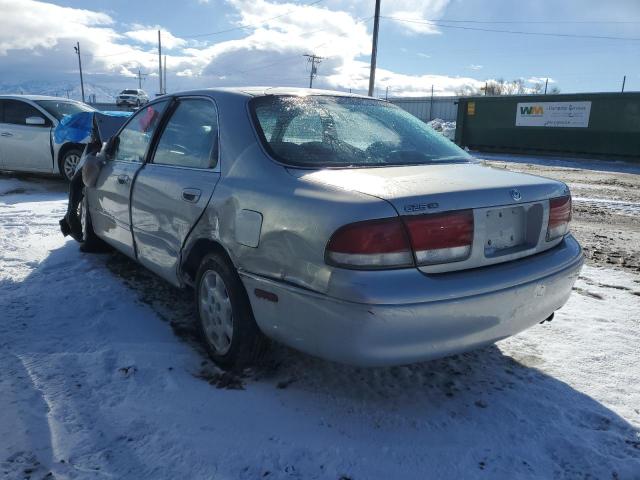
<point x="415" y="10"/>
<point x="149" y="35"/>
<point x="475" y="67"/>
<point x="356" y="76"/>
<point x="535" y="80"/>
<point x="29" y="25"/>
<point x="423" y="55"/>
<point x="269" y="54"/>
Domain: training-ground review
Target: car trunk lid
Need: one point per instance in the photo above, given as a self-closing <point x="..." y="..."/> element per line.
<point x="510" y="210"/>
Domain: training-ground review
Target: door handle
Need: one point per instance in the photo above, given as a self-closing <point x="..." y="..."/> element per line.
<point x="6" y="134"/>
<point x="191" y="195"/>
<point x="123" y="179"/>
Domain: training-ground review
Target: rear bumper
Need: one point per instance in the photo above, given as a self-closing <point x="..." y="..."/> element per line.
<point x="457" y="318"/>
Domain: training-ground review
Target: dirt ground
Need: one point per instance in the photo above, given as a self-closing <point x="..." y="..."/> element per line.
<point x="606" y="204"/>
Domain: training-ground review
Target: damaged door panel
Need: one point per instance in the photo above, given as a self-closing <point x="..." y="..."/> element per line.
<point x="109" y="200"/>
<point x="174" y="187"/>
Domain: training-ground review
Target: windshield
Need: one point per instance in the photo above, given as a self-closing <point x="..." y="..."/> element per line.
<point x="327" y="131"/>
<point x="60" y="109"/>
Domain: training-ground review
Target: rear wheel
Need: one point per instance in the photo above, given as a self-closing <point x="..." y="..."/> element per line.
<point x="69" y="162"/>
<point x="227" y="325"/>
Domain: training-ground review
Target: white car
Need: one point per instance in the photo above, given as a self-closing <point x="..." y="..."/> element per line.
<point x="26" y="134"/>
<point x="132" y="98"/>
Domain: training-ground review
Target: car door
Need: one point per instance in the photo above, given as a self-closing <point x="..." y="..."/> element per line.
<point x="25" y="146"/>
<point x="109" y="199"/>
<point x="174" y="186"/>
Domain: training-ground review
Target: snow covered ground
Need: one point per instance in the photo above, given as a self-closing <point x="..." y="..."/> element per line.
<point x="101" y="378"/>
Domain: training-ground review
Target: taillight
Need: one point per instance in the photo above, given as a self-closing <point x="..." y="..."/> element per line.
<point x="395" y="242"/>
<point x="441" y="237"/>
<point x="559" y="217"/>
<point x="370" y="245"/>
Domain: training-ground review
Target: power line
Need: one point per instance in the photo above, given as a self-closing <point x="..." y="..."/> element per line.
<point x="537" y="22"/>
<point x="250" y="25"/>
<point x="516" y="32"/>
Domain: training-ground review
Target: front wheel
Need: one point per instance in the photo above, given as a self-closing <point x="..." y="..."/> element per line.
<point x="69" y="163"/>
<point x="227" y="325"/>
<point x="89" y="241"/>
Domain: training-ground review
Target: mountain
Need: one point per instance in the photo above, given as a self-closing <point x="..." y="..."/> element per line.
<point x="61" y="89"/>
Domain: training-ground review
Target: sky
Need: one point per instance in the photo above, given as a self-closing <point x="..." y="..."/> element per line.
<point x="422" y="43"/>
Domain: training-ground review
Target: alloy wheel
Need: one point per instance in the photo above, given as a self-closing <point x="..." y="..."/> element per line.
<point x="70" y="163"/>
<point x="216" y="312"/>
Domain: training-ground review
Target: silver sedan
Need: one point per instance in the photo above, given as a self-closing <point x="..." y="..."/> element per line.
<point x="337" y="224"/>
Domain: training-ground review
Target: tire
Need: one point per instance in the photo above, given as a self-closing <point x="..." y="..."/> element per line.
<point x="89" y="241"/>
<point x="68" y="163"/>
<point x="226" y="323"/>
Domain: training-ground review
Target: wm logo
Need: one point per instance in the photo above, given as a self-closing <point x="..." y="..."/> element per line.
<point x="533" y="110"/>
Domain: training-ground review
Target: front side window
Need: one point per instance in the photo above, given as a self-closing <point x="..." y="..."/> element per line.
<point x="190" y="136"/>
<point x="135" y="137"/>
<point x="333" y="131"/>
<point x="60" y="109"/>
<point x="16" y="112"/>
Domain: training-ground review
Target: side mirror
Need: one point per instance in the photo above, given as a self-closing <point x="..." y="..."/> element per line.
<point x="34" y="121"/>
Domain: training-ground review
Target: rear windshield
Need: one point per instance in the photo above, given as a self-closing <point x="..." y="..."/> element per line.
<point x="328" y="131"/>
<point x="129" y="92"/>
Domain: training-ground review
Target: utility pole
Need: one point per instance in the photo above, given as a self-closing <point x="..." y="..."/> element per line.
<point x="140" y="78"/>
<point x="546" y="83"/>
<point x="374" y="49"/>
<point x="77" y="49"/>
<point x="160" y="61"/>
<point x="431" y="105"/>
<point x="624" y="80"/>
<point x="314" y="60"/>
<point x="164" y="80"/>
<point x="386" y="94"/>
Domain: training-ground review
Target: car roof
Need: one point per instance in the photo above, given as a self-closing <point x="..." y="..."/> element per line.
<point x="264" y="91"/>
<point x="34" y="97"/>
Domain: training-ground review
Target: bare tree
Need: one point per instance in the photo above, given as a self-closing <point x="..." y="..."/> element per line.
<point x="537" y="88"/>
<point x="466" y="91"/>
<point x="514" y="87"/>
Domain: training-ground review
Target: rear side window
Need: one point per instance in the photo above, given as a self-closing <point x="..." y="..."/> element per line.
<point x="190" y="136"/>
<point x="16" y="112"/>
<point x="135" y="137"/>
